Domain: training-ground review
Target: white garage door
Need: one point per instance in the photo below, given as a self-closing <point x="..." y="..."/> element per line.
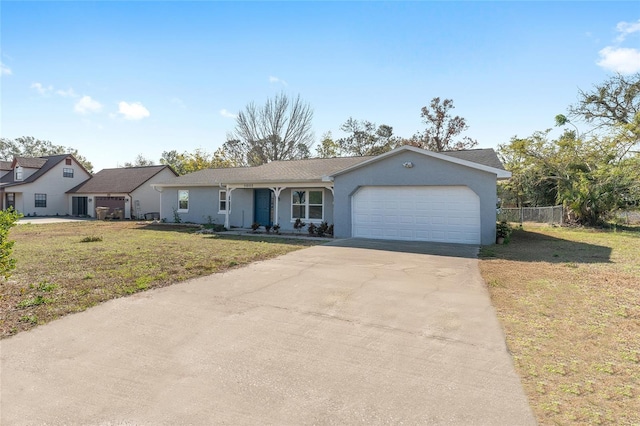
<point x="449" y="214"/>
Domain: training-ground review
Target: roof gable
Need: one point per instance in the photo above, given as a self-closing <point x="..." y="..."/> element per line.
<point x="456" y="157"/>
<point x="119" y="180"/>
<point x="43" y="164"/>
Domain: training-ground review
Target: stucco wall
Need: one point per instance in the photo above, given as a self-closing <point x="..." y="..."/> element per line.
<point x="203" y="202"/>
<point x="148" y="197"/>
<point x="425" y="171"/>
<point x="55" y="186"/>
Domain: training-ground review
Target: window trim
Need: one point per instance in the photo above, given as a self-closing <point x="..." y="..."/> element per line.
<point x="42" y="199"/>
<point x="67" y="172"/>
<point x="224" y="200"/>
<point x="180" y="210"/>
<point x="307" y="204"/>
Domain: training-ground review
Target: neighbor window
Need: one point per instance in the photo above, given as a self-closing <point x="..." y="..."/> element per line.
<point x="183" y="199"/>
<point x="18" y="173"/>
<point x="67" y="172"/>
<point x="307" y="204"/>
<point x="41" y="200"/>
<point x="224" y="203"/>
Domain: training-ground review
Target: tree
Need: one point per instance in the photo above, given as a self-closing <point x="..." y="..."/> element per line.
<point x="614" y="102"/>
<point x="586" y="175"/>
<point x="28" y="146"/>
<point x="140" y="161"/>
<point x="364" y="138"/>
<point x="328" y="148"/>
<point x="442" y="128"/>
<point x="189" y="162"/>
<point x="279" y="130"/>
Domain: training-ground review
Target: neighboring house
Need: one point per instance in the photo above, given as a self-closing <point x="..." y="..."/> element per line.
<point x="127" y="188"/>
<point x="405" y="194"/>
<point x="37" y="186"/>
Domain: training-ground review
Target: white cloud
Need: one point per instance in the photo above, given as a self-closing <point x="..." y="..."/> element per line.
<point x="5" y="70"/>
<point x="86" y="105"/>
<point x="69" y="93"/>
<point x="227" y="114"/>
<point x="133" y="111"/>
<point x="620" y="59"/>
<point x="44" y="91"/>
<point x="626" y="28"/>
<point x="273" y="79"/>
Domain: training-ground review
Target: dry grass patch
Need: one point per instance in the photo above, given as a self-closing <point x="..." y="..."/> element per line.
<point x="569" y="303"/>
<point x="69" y="267"/>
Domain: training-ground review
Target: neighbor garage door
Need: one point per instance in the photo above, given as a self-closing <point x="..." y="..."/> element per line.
<point x="448" y="214"/>
<point x="111" y="202"/>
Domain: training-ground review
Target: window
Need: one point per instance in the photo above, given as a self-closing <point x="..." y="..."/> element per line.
<point x="67" y="172"/>
<point x="67" y="161"/>
<point x="307" y="204"/>
<point x="41" y="200"/>
<point x="18" y="173"/>
<point x="183" y="200"/>
<point x="223" y="202"/>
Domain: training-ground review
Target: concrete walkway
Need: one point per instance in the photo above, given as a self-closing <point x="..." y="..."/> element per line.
<point x="333" y="334"/>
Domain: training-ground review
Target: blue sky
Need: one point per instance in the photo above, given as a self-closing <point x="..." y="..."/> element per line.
<point x="118" y="79"/>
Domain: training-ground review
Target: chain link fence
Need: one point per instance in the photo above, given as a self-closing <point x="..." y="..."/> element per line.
<point x="551" y="214"/>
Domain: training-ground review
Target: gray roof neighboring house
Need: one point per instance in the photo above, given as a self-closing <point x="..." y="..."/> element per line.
<point x="43" y="164"/>
<point x="120" y="180"/>
<point x="6" y="165"/>
<point x="308" y="170"/>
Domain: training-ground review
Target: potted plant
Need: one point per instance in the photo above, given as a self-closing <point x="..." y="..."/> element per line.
<point x="503" y="232"/>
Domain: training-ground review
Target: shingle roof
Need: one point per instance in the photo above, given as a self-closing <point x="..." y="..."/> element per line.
<point x="30" y="162"/>
<point x="46" y="164"/>
<point x="120" y="180"/>
<point x="6" y="165"/>
<point x="486" y="156"/>
<point x="309" y="170"/>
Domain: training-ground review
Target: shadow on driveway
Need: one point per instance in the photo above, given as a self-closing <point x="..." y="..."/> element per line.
<point x="418" y="247"/>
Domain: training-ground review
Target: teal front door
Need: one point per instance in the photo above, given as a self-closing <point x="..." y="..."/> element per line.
<point x="262" y="203"/>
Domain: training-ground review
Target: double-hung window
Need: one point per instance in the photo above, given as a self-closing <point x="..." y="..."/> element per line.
<point x="183" y="200"/>
<point x="40" y="200"/>
<point x="307" y="204"/>
<point x="18" y="172"/>
<point x="223" y="202"/>
<point x="67" y="172"/>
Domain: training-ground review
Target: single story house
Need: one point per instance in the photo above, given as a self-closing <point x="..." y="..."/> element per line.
<point x="37" y="186"/>
<point x="127" y="188"/>
<point x="405" y="194"/>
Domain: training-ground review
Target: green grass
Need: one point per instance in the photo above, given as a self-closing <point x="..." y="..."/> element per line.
<point x="569" y="303"/>
<point x="71" y="276"/>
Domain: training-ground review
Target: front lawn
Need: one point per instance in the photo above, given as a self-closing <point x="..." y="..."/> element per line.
<point x="69" y="267"/>
<point x="569" y="303"/>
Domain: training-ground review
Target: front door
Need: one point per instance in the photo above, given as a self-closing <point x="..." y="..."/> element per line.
<point x="79" y="206"/>
<point x="262" y="204"/>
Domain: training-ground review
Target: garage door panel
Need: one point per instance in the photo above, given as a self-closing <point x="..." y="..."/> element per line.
<point x="423" y="213"/>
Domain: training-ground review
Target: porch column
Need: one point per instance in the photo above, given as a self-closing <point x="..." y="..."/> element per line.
<point x="276" y="192"/>
<point x="228" y="209"/>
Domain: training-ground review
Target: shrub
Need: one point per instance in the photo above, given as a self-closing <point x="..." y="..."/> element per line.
<point x="312" y="229"/>
<point x="255" y="226"/>
<point x="298" y="225"/>
<point x="91" y="239"/>
<point x="267" y="228"/>
<point x="8" y="219"/>
<point x="276" y="228"/>
<point x="503" y="230"/>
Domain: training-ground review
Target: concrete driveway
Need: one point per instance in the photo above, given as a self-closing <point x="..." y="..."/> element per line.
<point x="357" y="332"/>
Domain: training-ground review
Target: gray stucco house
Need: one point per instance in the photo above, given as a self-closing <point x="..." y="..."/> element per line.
<point x="125" y="188"/>
<point x="405" y="194"/>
